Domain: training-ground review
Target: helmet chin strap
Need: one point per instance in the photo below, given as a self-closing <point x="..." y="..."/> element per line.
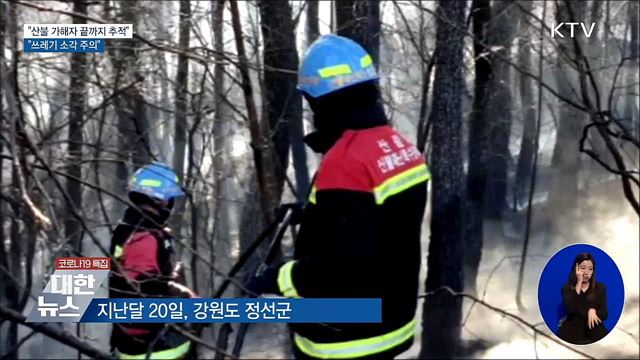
<point x="158" y="211"/>
<point x="164" y="216"/>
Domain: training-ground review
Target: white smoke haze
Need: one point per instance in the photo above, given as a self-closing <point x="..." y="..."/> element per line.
<point x="617" y="232"/>
<point x="616" y="235"/>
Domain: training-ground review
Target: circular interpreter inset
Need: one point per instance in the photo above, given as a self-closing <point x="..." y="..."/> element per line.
<point x="581" y="294"/>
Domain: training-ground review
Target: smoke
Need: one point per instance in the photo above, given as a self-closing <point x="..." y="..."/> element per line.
<point x="615" y="228"/>
<point x="616" y="231"/>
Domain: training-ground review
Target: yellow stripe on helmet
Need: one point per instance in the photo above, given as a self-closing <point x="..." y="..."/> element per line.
<point x="335" y="70"/>
<point x="366" y="61"/>
<point x="151" y="182"/>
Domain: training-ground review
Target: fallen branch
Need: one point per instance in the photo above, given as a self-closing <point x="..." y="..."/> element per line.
<point x="55" y="333"/>
<point x="495" y="268"/>
<point x="507" y="314"/>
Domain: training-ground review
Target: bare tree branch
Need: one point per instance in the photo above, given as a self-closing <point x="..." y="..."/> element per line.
<point x="511" y="63"/>
<point x="506" y="314"/>
<point x="13" y="129"/>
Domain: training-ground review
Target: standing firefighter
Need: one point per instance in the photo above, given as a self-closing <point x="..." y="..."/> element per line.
<point x="360" y="232"/>
<point x="144" y="250"/>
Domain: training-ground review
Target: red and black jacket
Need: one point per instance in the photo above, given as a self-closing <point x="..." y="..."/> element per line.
<point x="145" y="257"/>
<point x="360" y="235"/>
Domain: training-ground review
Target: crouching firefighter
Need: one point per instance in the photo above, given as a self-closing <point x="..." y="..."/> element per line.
<point x="144" y="250"/>
<point x="360" y="231"/>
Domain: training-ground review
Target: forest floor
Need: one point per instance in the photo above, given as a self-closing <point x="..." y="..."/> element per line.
<point x="491" y="334"/>
<point x="494" y="335"/>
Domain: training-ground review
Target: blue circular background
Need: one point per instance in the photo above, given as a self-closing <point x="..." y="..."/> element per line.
<point x="556" y="274"/>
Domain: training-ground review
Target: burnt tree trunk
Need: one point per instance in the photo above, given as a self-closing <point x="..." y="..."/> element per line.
<point x="282" y="102"/>
<point x="596" y="55"/>
<point x="360" y="21"/>
<point x="77" y="85"/>
<point x="501" y="33"/>
<point x="133" y="127"/>
<point x="180" y="124"/>
<point x="312" y="26"/>
<point x="12" y="292"/>
<point x="524" y="166"/>
<point x="478" y="143"/>
<point x="442" y="312"/>
<point x="632" y="108"/>
<point x="139" y="133"/>
<point x="181" y="89"/>
<point x="261" y="144"/>
<point x="262" y="185"/>
<point x="22" y="228"/>
<point x="221" y="131"/>
<point x="3" y="254"/>
<point x="563" y="195"/>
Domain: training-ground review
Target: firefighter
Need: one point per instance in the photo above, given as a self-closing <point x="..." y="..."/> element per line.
<point x="360" y="231"/>
<point x="144" y="250"/>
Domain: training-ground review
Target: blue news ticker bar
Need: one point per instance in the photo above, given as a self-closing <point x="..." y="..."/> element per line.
<point x="64" y="45"/>
<point x="271" y="310"/>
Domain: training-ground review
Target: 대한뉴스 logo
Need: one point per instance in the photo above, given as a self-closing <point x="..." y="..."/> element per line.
<point x="70" y="289"/>
<point x="556" y="29"/>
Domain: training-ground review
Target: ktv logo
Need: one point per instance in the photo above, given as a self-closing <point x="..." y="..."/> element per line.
<point x="556" y="29"/>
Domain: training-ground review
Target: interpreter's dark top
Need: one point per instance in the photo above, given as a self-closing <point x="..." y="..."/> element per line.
<point x="575" y="327"/>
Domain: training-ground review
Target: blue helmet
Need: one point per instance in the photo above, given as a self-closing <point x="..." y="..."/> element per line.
<point x="157" y="181"/>
<point x="332" y="63"/>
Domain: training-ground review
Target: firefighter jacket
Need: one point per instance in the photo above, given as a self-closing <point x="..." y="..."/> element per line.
<point x="360" y="238"/>
<point x="145" y="257"/>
